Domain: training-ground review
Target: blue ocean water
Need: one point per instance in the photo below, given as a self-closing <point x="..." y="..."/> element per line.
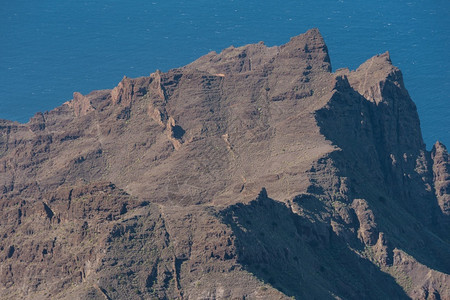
<point x="51" y="48"/>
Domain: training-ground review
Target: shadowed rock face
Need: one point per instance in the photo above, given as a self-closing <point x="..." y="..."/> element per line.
<point x="255" y="172"/>
<point x="441" y="172"/>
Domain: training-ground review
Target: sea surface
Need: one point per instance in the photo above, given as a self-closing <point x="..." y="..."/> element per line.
<point x="51" y="48"/>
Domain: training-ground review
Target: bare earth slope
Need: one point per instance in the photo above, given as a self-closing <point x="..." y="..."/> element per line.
<point x="255" y="173"/>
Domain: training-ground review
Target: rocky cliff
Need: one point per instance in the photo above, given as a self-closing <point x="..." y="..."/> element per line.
<point x="255" y="173"/>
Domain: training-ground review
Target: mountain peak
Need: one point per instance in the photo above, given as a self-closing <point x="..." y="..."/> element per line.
<point x="438" y="147"/>
<point x="309" y="46"/>
<point x="312" y="35"/>
<point x="154" y="189"/>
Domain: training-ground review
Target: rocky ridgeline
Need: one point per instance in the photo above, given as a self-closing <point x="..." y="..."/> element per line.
<point x="254" y="173"/>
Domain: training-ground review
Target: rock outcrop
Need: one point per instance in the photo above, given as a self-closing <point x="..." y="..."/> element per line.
<point x="441" y="173"/>
<point x="253" y="173"/>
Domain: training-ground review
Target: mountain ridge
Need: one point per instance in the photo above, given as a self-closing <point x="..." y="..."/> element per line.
<point x="256" y="165"/>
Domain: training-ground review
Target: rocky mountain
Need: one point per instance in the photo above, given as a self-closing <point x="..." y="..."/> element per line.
<point x="255" y="173"/>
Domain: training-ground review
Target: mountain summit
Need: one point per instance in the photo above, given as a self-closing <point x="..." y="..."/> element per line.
<point x="255" y="173"/>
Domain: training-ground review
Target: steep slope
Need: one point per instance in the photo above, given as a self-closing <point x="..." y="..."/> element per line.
<point x="441" y="173"/>
<point x="253" y="173"/>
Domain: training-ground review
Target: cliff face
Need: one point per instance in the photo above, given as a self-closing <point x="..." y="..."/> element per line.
<point x="441" y="172"/>
<point x="256" y="173"/>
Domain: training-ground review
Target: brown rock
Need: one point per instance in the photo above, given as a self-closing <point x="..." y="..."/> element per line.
<point x="154" y="189"/>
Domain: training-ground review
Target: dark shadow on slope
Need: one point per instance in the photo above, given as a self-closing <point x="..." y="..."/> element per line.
<point x="302" y="258"/>
<point x="402" y="229"/>
<point x="381" y="147"/>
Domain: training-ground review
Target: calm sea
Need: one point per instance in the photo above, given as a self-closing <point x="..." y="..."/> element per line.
<point x="51" y="48"/>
